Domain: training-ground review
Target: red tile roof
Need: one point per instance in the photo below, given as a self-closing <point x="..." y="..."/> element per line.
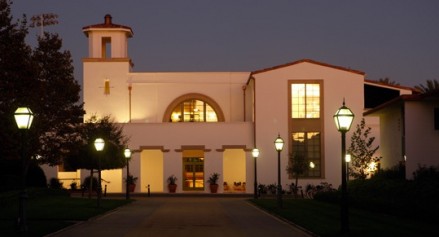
<point x="108" y="24"/>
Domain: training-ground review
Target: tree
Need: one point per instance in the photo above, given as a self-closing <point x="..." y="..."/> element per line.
<point x="431" y="87"/>
<point x="83" y="154"/>
<point x="59" y="108"/>
<point x="297" y="166"/>
<point x="17" y="73"/>
<point x="41" y="79"/>
<point x="362" y="152"/>
<point x="387" y="81"/>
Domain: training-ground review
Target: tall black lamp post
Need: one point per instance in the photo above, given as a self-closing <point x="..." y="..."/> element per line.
<point x="343" y="120"/>
<point x="127" y="154"/>
<point x="23" y="118"/>
<point x="255" y="154"/>
<point x="279" y="145"/>
<point x="99" y="145"/>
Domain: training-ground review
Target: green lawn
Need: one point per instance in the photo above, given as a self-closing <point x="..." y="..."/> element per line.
<point x="47" y="214"/>
<point x="323" y="219"/>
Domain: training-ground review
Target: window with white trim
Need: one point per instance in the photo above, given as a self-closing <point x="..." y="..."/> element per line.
<point x="305" y="100"/>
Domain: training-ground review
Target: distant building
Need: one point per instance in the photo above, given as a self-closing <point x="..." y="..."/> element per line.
<point x="192" y="124"/>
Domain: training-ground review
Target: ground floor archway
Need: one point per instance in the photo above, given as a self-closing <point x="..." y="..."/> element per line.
<point x="151" y="170"/>
<point x="235" y="170"/>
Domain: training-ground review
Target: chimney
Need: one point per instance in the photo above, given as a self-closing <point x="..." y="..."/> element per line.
<point x="108" y="19"/>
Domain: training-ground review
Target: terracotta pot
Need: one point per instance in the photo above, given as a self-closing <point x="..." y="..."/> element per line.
<point x="172" y="188"/>
<point x="131" y="187"/>
<point x="214" y="188"/>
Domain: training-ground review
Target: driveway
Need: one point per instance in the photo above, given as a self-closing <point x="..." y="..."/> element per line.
<point x="185" y="216"/>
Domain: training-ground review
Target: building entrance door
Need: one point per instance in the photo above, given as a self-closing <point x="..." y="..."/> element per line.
<point x="193" y="173"/>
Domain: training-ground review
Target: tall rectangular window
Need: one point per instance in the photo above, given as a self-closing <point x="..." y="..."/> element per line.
<point x="106" y="47"/>
<point x="305" y="100"/>
<point x="307" y="146"/>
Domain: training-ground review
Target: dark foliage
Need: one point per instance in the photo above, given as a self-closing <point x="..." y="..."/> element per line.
<point x="55" y="183"/>
<point x="297" y="166"/>
<point x="58" y="110"/>
<point x="17" y="73"/>
<point x="430" y="87"/>
<point x="83" y="153"/>
<point x="35" y="176"/>
<point x="388" y="192"/>
<point x="362" y="151"/>
<point x="41" y="79"/>
<point x="86" y="183"/>
<point x="10" y="175"/>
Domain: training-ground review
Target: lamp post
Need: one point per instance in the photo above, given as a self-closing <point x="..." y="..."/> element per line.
<point x="23" y="118"/>
<point x="343" y="120"/>
<point x="279" y="145"/>
<point x="255" y="154"/>
<point x="99" y="145"/>
<point x="127" y="154"/>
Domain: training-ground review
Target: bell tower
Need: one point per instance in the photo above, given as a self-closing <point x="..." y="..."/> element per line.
<point x="106" y="69"/>
<point x="107" y="40"/>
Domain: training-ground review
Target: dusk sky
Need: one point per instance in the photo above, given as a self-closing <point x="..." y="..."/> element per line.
<point x="398" y="39"/>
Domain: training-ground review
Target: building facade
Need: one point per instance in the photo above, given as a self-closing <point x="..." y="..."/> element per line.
<point x="193" y="124"/>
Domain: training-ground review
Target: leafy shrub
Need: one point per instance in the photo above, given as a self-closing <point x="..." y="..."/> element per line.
<point x="55" y="183"/>
<point x="35" y="176"/>
<point x="86" y="183"/>
<point x="387" y="192"/>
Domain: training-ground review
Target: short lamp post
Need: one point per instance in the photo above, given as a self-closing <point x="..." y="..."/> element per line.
<point x="23" y="118"/>
<point x="343" y="120"/>
<point x="279" y="145"/>
<point x="99" y="145"/>
<point x="127" y="154"/>
<point x="255" y="154"/>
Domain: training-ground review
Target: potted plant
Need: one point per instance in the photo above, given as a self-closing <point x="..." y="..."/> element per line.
<point x="172" y="186"/>
<point x="74" y="186"/>
<point x="213" y="180"/>
<point x="131" y="182"/>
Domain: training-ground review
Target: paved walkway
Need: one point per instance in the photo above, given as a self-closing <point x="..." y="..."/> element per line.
<point x="184" y="216"/>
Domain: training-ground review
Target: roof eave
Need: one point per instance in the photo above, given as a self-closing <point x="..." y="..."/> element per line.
<point x="308" y="61"/>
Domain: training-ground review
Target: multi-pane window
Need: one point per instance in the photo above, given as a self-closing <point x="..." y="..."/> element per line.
<point x="307" y="146"/>
<point x="305" y="100"/>
<point x="194" y="111"/>
<point x="193" y="173"/>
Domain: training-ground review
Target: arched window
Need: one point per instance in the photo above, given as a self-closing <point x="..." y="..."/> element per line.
<point x="193" y="108"/>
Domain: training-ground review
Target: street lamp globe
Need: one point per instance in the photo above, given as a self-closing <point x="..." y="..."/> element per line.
<point x="127" y="153"/>
<point x="343" y="118"/>
<point x="279" y="143"/>
<point x="255" y="153"/>
<point x="99" y="144"/>
<point x="23" y="117"/>
<point x="348" y="158"/>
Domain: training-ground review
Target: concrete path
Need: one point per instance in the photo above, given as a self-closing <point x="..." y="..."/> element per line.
<point x="184" y="216"/>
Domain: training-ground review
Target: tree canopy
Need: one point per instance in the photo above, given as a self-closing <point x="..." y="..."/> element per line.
<point x="297" y="166"/>
<point x="387" y="81"/>
<point x="362" y="152"/>
<point x="41" y="79"/>
<point x="430" y="87"/>
<point x="83" y="154"/>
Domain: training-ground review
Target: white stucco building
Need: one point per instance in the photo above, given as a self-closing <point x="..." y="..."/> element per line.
<point x="192" y="124"/>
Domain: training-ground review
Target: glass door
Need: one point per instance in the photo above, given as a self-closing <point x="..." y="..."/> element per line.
<point x="193" y="173"/>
